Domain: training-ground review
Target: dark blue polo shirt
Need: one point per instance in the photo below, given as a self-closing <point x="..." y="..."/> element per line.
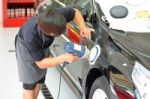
<point x="33" y="38"/>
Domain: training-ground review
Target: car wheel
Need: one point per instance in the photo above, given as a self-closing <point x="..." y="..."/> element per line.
<point x="101" y="89"/>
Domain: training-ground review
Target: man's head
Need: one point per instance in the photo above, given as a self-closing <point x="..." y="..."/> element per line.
<point x="52" y="23"/>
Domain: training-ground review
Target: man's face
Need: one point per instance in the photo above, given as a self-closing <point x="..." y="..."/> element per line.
<point x="49" y="34"/>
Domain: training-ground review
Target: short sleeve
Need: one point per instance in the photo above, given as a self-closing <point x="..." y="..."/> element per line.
<point x="68" y="13"/>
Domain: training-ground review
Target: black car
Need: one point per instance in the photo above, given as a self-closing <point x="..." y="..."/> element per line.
<point x="120" y="68"/>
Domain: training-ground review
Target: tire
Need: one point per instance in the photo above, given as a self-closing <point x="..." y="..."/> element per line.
<point x="101" y="89"/>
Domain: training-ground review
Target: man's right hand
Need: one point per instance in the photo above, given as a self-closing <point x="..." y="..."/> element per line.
<point x="67" y="57"/>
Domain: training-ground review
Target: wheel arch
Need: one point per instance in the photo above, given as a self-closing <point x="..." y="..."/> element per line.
<point x="93" y="74"/>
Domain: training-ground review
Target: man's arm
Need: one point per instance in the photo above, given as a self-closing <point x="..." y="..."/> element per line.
<point x="79" y="20"/>
<point x="54" y="61"/>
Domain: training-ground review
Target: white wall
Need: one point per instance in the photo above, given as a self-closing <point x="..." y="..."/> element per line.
<point x="0" y="12"/>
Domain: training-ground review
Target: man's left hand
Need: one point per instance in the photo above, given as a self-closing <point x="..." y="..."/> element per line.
<point x="86" y="32"/>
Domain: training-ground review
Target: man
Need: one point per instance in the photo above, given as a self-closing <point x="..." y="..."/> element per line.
<point x="33" y="41"/>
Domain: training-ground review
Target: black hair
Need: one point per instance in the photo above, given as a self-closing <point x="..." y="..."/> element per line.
<point x="52" y="21"/>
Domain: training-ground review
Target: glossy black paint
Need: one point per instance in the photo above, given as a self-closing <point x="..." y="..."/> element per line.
<point x="116" y="62"/>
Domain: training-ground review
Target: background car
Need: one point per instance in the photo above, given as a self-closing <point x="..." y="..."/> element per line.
<point x="121" y="68"/>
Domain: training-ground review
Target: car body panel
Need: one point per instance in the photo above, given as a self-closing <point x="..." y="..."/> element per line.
<point x="119" y="52"/>
<point x="136" y="43"/>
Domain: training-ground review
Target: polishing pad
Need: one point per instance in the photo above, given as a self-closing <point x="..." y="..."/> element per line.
<point x="95" y="52"/>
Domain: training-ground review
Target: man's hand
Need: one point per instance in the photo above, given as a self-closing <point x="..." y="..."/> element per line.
<point x="86" y="32"/>
<point x="67" y="57"/>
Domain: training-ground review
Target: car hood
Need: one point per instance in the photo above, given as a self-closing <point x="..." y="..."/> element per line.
<point x="132" y="32"/>
<point x="135" y="43"/>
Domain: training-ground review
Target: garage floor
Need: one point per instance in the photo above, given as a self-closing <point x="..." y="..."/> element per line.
<point x="10" y="87"/>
